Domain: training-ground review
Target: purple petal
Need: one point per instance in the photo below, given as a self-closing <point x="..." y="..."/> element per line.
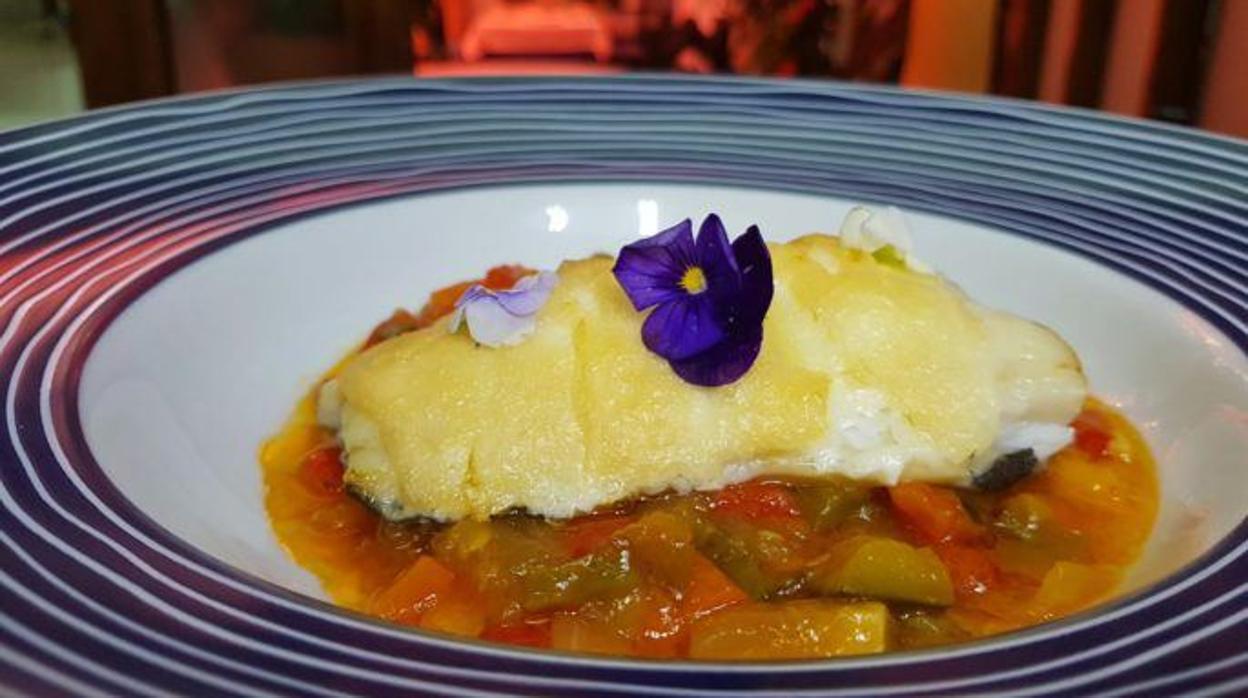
<point x="529" y="294"/>
<point x="650" y="270"/>
<point x="473" y="293"/>
<point x="681" y="328"/>
<point x="715" y="256"/>
<point x="724" y="363"/>
<point x="757" y="287"/>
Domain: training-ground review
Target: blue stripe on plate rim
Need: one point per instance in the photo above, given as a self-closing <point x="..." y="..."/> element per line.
<point x="98" y="599"/>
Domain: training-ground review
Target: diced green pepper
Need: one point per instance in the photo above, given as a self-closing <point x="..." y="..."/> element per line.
<point x="826" y="504"/>
<point x="601" y="575"/>
<point x="925" y="627"/>
<point x="890" y="256"/>
<point x="760" y="561"/>
<point x="662" y="544"/>
<point x="1028" y="520"/>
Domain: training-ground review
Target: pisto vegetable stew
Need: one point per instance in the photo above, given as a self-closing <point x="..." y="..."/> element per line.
<point x="765" y="570"/>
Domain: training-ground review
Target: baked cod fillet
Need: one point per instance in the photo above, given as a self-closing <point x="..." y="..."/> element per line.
<point x="868" y="370"/>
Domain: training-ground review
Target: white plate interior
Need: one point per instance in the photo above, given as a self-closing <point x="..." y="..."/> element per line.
<point x="186" y="384"/>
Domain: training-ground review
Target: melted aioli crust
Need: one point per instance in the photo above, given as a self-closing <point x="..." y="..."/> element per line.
<point x="867" y="369"/>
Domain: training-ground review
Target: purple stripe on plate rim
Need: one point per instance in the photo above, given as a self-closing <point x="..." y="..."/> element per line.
<point x="97" y="595"/>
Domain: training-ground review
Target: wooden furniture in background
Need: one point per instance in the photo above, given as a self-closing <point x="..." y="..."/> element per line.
<point x="124" y="51"/>
<point x="1127" y="84"/>
<point x="1075" y="51"/>
<point x="1188" y="31"/>
<point x="1225" y="106"/>
<point x="139" y="49"/>
<point x="379" y="33"/>
<point x="1177" y="60"/>
<point x="951" y="44"/>
<point x="1144" y="58"/>
<point x="1020" y="48"/>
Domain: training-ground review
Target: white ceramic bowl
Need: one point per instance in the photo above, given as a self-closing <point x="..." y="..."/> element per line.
<point x="185" y="385"/>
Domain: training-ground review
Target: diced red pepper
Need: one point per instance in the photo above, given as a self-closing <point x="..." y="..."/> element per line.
<point x="757" y="501"/>
<point x="399" y="322"/>
<point x="586" y="534"/>
<point x="530" y="632"/>
<point x="414" y="591"/>
<point x="442" y="302"/>
<point x="661" y="632"/>
<point x="1093" y="434"/>
<point x="934" y="514"/>
<point x="504" y="277"/>
<point x="321" y="471"/>
<point x="709" y="590"/>
<point x="971" y="569"/>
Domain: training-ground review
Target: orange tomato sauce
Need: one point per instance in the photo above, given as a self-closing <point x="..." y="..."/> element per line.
<point x="769" y="569"/>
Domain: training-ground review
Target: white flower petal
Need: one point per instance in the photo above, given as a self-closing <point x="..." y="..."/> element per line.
<point x="491" y="325"/>
<point x="457" y="318"/>
<point x="872" y="229"/>
<point x="329" y="405"/>
<point x="502" y="318"/>
<point x="851" y="233"/>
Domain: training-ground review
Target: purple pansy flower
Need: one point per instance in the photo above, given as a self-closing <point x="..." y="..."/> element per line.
<point x="709" y="298"/>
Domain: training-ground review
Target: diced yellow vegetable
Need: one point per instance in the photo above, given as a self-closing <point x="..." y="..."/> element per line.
<point x="1025" y="515"/>
<point x="1091" y="484"/>
<point x="888" y="569"/>
<point x="455" y="616"/>
<point x="791" y="630"/>
<point x="1022" y="558"/>
<point x="1069" y="586"/>
<point x="573" y="634"/>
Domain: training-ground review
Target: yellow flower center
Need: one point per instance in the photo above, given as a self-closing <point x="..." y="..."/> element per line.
<point x="693" y="281"/>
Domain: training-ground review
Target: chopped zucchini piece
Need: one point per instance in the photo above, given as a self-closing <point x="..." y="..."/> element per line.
<point x="882" y="568"/>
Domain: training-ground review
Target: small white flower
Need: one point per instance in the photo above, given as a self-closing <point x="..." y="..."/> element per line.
<point x="869" y="230"/>
<point x="503" y="318"/>
<point x="329" y="405"/>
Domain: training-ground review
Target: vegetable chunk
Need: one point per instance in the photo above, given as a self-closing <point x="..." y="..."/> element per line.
<point x="881" y="568"/>
<point x="791" y="630"/>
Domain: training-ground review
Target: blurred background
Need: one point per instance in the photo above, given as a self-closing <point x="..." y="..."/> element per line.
<point x="1181" y="61"/>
